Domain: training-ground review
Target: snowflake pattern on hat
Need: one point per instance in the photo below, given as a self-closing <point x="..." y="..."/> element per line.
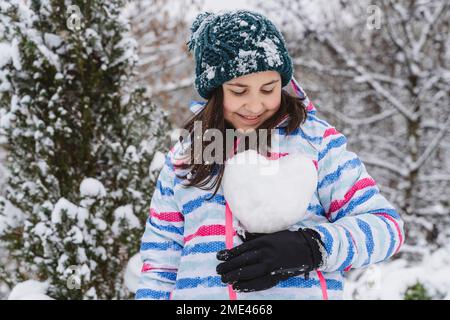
<point x="230" y="44"/>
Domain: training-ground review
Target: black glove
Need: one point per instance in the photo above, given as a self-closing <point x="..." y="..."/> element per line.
<point x="263" y="260"/>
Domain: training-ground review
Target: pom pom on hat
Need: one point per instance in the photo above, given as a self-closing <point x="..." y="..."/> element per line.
<point x="195" y="26"/>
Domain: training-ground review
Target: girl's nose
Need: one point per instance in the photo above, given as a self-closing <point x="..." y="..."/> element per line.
<point x="255" y="108"/>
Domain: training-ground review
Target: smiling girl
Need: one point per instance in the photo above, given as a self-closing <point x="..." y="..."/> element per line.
<point x="190" y="248"/>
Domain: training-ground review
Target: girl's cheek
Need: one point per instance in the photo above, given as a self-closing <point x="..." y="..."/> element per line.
<point x="273" y="103"/>
<point x="232" y="104"/>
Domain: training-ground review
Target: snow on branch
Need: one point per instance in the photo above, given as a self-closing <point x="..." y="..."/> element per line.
<point x="431" y="147"/>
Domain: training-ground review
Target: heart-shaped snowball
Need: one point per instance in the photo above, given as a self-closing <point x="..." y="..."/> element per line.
<point x="268" y="195"/>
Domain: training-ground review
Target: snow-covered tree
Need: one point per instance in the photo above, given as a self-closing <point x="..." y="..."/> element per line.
<point x="161" y="29"/>
<point x="380" y="72"/>
<point x="80" y="137"/>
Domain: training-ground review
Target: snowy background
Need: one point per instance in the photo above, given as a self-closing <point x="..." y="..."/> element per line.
<point x="378" y="71"/>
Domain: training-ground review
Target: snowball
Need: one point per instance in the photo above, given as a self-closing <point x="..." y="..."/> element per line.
<point x="30" y="290"/>
<point x="93" y="188"/>
<point x="269" y="195"/>
<point x="132" y="273"/>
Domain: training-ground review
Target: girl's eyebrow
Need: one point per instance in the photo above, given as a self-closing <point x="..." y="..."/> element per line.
<point x="244" y="85"/>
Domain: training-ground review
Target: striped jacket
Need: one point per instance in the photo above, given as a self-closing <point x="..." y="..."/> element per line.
<point x="184" y="231"/>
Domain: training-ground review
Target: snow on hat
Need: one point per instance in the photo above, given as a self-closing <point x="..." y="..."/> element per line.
<point x="230" y="44"/>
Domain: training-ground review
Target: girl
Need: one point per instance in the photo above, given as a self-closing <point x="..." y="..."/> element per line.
<point x="190" y="248"/>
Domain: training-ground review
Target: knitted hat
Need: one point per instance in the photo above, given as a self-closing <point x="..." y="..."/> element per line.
<point x="230" y="44"/>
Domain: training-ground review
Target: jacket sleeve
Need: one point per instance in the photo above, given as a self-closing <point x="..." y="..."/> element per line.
<point x="363" y="228"/>
<point x="162" y="241"/>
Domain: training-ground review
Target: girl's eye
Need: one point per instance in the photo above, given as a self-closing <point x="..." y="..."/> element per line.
<point x="241" y="93"/>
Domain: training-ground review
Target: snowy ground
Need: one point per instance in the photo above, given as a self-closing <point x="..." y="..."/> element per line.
<point x="389" y="280"/>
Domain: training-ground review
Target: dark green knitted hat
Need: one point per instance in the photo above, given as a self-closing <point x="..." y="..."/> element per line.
<point x="230" y="44"/>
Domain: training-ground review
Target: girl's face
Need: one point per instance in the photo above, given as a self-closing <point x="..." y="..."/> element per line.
<point x="251" y="99"/>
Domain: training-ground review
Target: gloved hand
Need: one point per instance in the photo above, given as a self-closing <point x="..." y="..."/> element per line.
<point x="263" y="260"/>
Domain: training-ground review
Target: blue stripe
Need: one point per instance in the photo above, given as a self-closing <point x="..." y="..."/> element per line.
<point x="351" y="206"/>
<point x="153" y="294"/>
<point x="312" y="111"/>
<point x="300" y="282"/>
<point x="188" y="283"/>
<point x="164" y="190"/>
<point x="350" y="251"/>
<point x="328" y="241"/>
<point x="300" y="132"/>
<point x="313" y="118"/>
<point x="177" y="180"/>
<point x="392" y="212"/>
<point x="169" y="163"/>
<point x="334" y="176"/>
<point x="190" y="206"/>
<point x="212" y="246"/>
<point x="365" y="228"/>
<point x="335" y="143"/>
<point x="169" y="228"/>
<point x="391" y="240"/>
<point x="167" y="275"/>
<point x="317" y="209"/>
<point x="161" y="245"/>
<point x="294" y="282"/>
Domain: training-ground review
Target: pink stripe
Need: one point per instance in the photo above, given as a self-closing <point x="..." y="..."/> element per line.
<point x="147" y="267"/>
<point x="276" y="155"/>
<point x="359" y="185"/>
<point x="167" y="216"/>
<point x="348" y="268"/>
<point x="295" y="87"/>
<point x="329" y="132"/>
<point x="323" y="285"/>
<point x="229" y="232"/>
<point x="229" y="242"/>
<point x="310" y="105"/>
<point x="316" y="164"/>
<point x="170" y="297"/>
<point x="400" y="237"/>
<point x="209" y="230"/>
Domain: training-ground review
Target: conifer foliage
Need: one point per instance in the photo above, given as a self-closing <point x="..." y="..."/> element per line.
<point x="80" y="136"/>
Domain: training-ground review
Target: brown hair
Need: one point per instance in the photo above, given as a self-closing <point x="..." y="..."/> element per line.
<point x="211" y="116"/>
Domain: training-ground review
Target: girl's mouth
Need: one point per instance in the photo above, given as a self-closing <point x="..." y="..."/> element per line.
<point x="249" y="120"/>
